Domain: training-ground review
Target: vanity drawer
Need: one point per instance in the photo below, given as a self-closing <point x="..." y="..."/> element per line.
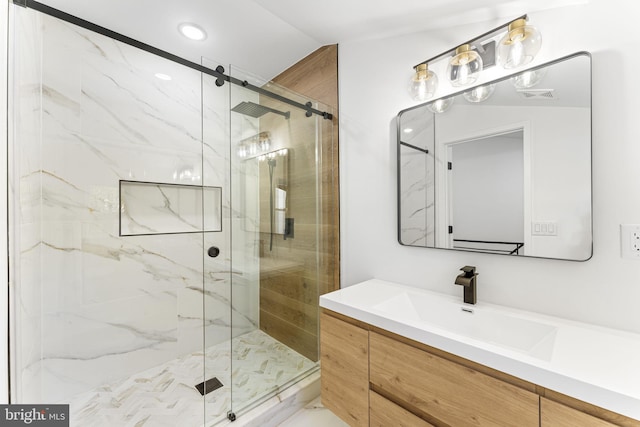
<point x="445" y="391"/>
<point x="385" y="413"/>
<point x="553" y="414"/>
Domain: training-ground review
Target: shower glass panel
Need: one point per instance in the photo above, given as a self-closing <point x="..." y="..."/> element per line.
<point x="108" y="321"/>
<point x="167" y="243"/>
<point x="276" y="190"/>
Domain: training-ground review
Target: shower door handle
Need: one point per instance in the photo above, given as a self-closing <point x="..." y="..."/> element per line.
<point x="213" y="251"/>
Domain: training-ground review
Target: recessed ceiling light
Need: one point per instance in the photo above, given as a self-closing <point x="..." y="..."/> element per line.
<point x="162" y="76"/>
<point x="408" y="130"/>
<point x="192" y="31"/>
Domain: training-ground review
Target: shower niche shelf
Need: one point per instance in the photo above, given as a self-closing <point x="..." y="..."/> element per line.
<point x="148" y="208"/>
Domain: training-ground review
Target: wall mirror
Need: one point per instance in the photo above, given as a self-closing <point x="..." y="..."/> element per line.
<point x="502" y="168"/>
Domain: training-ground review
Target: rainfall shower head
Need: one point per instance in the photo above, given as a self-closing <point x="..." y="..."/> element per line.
<point x="255" y="110"/>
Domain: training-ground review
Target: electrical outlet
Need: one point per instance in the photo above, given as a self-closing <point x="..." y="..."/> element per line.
<point x="630" y="241"/>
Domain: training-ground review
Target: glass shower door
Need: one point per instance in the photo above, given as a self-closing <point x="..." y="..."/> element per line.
<point x="165" y="232"/>
<point x="117" y="201"/>
<point x="217" y="269"/>
<point x="276" y="229"/>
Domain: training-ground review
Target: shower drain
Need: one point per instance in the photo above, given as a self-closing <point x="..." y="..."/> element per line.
<point x="209" y="385"/>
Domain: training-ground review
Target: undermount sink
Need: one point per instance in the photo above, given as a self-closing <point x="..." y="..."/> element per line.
<point x="480" y="323"/>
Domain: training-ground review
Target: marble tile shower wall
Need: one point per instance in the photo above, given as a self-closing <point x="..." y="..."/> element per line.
<point x="93" y="307"/>
<point x="24" y="190"/>
<point x="417" y="199"/>
<point x="417" y="179"/>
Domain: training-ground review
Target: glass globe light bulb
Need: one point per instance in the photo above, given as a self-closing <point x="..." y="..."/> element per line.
<point x="465" y="66"/>
<point x="480" y="93"/>
<point x="528" y="79"/>
<point x="440" y="105"/>
<point x="423" y="83"/>
<point x="519" y="46"/>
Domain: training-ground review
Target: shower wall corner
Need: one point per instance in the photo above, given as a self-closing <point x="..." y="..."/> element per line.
<point x="4" y="267"/>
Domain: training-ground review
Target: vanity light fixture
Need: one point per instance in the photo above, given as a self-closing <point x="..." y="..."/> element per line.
<point x="441" y="105"/>
<point x="192" y="31"/>
<point x="520" y="45"/>
<point x="423" y="83"/>
<point x="517" y="47"/>
<point x="528" y="79"/>
<point x="273" y="154"/>
<point x="465" y="66"/>
<point x="254" y="146"/>
<point x="480" y="93"/>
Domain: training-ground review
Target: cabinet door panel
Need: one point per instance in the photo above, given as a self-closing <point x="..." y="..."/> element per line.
<point x="446" y="391"/>
<point x="554" y="414"/>
<point x="344" y="370"/>
<point x="385" y="413"/>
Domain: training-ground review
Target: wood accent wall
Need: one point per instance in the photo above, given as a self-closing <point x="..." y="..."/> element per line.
<point x="289" y="295"/>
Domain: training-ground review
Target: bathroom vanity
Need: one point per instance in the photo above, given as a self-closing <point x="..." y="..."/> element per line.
<point x="397" y="355"/>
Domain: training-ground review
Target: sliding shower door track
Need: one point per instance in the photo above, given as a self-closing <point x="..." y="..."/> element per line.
<point x="218" y="73"/>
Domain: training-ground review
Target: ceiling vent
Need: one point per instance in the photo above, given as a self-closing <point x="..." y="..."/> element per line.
<point x="537" y="93"/>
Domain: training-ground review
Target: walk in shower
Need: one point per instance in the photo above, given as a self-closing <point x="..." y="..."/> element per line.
<point x="166" y="238"/>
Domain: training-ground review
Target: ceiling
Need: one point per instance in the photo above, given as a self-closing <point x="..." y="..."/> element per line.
<point x="267" y="36"/>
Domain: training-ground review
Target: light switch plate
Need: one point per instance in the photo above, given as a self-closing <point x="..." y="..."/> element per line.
<point x="544" y="228"/>
<point x="630" y="241"/>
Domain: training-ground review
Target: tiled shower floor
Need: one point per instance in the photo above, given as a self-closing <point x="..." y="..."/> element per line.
<point x="165" y="395"/>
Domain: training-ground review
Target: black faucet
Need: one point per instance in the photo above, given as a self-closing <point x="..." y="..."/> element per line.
<point x="468" y="280"/>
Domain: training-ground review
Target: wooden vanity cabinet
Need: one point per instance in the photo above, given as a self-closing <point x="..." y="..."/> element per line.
<point x="553" y="414"/>
<point x="385" y="413"/>
<point x="344" y="374"/>
<point x="446" y="392"/>
<point x="374" y="377"/>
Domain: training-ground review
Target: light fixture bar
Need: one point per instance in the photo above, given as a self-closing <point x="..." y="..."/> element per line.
<point x="472" y="42"/>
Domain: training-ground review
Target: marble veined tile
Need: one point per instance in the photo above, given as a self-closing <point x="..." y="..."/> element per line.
<point x="248" y="367"/>
<point x="116" y="92"/>
<point x="215" y="134"/>
<point x="75" y="164"/>
<point x="153" y="208"/>
<point x="281" y="406"/>
<point x="27" y="72"/>
<point x="314" y="415"/>
<point x="87" y="265"/>
<point x="96" y="306"/>
<point x="417" y="198"/>
<point x="115" y="306"/>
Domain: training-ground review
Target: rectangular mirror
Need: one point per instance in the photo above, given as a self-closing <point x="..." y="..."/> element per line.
<point x="502" y="168"/>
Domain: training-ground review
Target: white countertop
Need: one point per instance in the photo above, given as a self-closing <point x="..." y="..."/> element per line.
<point x="598" y="365"/>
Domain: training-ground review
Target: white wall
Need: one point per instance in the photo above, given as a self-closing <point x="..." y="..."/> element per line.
<point x="373" y="80"/>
